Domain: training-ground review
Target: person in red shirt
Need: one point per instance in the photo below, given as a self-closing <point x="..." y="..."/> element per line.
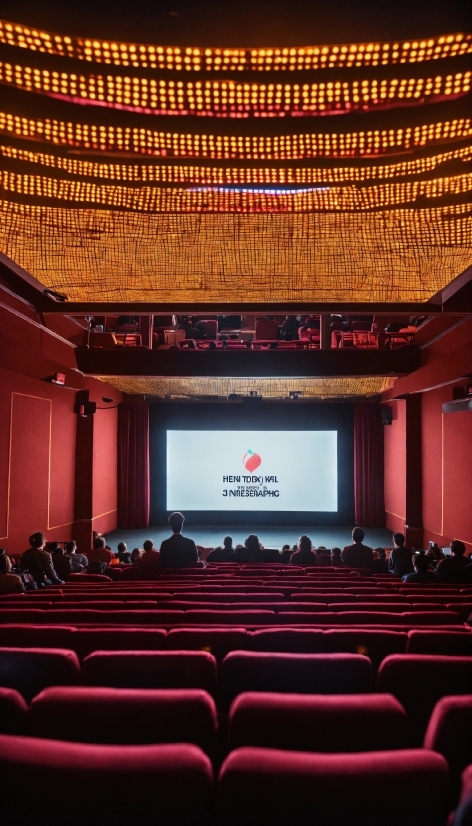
<point x="150" y="555"/>
<point x="100" y="551"/>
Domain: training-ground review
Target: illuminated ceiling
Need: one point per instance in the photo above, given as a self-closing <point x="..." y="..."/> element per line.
<point x="149" y="173"/>
<point x="269" y="388"/>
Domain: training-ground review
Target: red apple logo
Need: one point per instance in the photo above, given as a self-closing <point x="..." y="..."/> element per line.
<point x="251" y="461"/>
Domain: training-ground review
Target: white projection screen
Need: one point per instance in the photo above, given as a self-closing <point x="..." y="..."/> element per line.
<point x="252" y="470"/>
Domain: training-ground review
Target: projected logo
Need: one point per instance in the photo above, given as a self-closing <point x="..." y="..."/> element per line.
<point x="251" y="461"/>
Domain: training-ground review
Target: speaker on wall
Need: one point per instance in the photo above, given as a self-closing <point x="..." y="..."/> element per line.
<point x="386" y="413"/>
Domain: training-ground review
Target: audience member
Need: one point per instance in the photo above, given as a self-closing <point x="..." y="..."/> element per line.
<point x="290" y="328"/>
<point x="452" y="568"/>
<point x="223" y="554"/>
<point x="178" y="551"/>
<point x="78" y="562"/>
<point x="304" y="555"/>
<point x="435" y="554"/>
<point x="9" y="583"/>
<point x="150" y="555"/>
<point x="136" y="556"/>
<point x="323" y="559"/>
<point x="287" y="552"/>
<point x="122" y="553"/>
<point x="380" y="564"/>
<point x="358" y="555"/>
<point x="422" y="572"/>
<point x="400" y="561"/>
<point x="39" y="562"/>
<point x="61" y="562"/>
<point x="100" y="551"/>
<point x="336" y="558"/>
<point x="252" y="550"/>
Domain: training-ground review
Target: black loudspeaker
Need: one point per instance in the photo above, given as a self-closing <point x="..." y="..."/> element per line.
<point x="386" y="413"/>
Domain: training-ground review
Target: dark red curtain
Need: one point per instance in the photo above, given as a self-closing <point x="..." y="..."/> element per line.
<point x="368" y="466"/>
<point x="133" y="465"/>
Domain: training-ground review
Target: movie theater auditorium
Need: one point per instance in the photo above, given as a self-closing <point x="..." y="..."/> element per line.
<point x="187" y="245"/>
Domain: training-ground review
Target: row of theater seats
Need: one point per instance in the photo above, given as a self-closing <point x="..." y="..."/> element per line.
<point x="417" y="681"/>
<point x="376" y="643"/>
<point x="349" y="758"/>
<point x="49" y="783"/>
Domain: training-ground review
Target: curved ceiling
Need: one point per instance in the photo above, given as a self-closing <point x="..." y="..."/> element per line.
<point x="155" y="173"/>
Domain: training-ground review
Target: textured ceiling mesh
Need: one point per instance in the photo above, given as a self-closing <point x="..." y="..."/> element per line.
<point x="269" y="388"/>
<point x="91" y="254"/>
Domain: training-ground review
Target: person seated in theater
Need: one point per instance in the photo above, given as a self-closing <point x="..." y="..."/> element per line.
<point x="336" y="558"/>
<point x="136" y="556"/>
<point x="400" y="561"/>
<point x="100" y="551"/>
<point x="123" y="555"/>
<point x="61" y="562"/>
<point x="290" y="328"/>
<point x="287" y="552"/>
<point x="452" y="568"/>
<point x="150" y="555"/>
<point x="188" y="323"/>
<point x="223" y="554"/>
<point x="178" y="551"/>
<point x="9" y="583"/>
<point x="252" y="550"/>
<point x="422" y="573"/>
<point x="304" y="555"/>
<point x="323" y="558"/>
<point x="380" y="564"/>
<point x="435" y="554"/>
<point x="39" y="562"/>
<point x="78" y="562"/>
<point x="358" y="555"/>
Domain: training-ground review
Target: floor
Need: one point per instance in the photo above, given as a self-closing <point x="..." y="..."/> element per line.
<point x="271" y="537"/>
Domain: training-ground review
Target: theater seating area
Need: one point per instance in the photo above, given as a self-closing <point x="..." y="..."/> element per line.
<point x="268" y="689"/>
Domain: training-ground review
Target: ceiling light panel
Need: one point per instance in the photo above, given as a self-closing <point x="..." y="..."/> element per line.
<point x="192" y="59"/>
<point x="290" y="146"/>
<point x="232" y="99"/>
<point x="145" y="172"/>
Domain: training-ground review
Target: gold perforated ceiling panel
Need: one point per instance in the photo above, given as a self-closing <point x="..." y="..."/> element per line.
<point x="99" y="255"/>
<point x="268" y="388"/>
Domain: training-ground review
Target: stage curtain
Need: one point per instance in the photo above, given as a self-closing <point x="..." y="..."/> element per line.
<point x="368" y="466"/>
<point x="133" y="465"/>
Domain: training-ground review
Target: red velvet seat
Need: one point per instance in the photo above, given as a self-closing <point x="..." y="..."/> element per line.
<point x="29" y="670"/>
<point x="52" y="783"/>
<point x="299" y="722"/>
<point x="123" y="617"/>
<point x="123" y="715"/>
<point x="449" y="732"/>
<point x="233" y="617"/>
<point x="37" y="636"/>
<point x="13" y="712"/>
<point x="451" y="643"/>
<point x="294" y="673"/>
<point x="288" y="640"/>
<point x="151" y="669"/>
<point x="270" y="787"/>
<point x="217" y="641"/>
<point x="87" y="640"/>
<point x="88" y="578"/>
<point x="419" y="681"/>
<point x="374" y="643"/>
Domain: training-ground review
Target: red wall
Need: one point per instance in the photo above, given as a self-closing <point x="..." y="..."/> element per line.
<point x="446" y="443"/>
<point x="37" y="449"/>
<point x="38" y="437"/>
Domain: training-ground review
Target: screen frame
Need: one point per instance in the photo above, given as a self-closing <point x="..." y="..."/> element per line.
<point x="250" y="416"/>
